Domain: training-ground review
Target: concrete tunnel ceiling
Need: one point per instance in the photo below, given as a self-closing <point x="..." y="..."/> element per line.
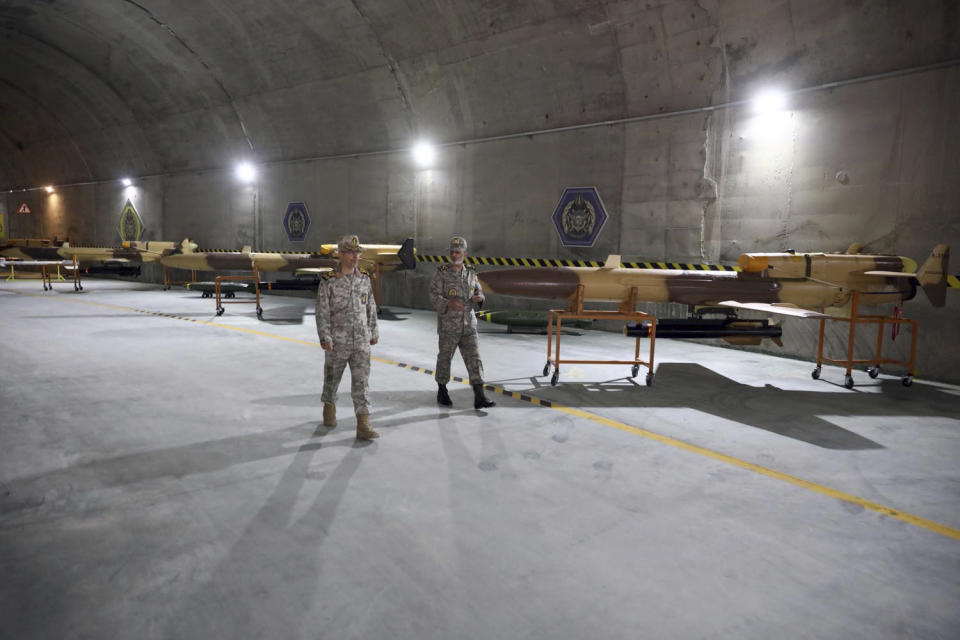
<point x="94" y="89"/>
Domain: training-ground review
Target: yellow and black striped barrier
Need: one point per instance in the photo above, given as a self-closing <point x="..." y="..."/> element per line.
<point x="547" y="262"/>
<point x="284" y="251"/>
<point x="952" y="281"/>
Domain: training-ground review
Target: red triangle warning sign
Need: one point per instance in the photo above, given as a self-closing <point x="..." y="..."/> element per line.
<point x="23" y="208"/>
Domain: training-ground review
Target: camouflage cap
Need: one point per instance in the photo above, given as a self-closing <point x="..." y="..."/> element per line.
<point x="458" y="243"/>
<point x="349" y="243"/>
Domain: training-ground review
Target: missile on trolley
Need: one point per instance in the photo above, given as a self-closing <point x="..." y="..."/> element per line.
<point x="128" y="253"/>
<point x="793" y="284"/>
<point x="387" y="257"/>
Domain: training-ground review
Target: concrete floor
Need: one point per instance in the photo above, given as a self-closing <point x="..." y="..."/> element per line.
<point x="161" y="478"/>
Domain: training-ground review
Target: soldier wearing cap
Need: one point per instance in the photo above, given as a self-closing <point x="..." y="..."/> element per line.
<point x="347" y="326"/>
<point x="454" y="291"/>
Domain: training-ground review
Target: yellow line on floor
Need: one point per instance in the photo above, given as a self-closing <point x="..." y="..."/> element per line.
<point x="903" y="516"/>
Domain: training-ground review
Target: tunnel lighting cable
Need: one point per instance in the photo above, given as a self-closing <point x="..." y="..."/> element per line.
<point x="917" y="521"/>
<point x="539" y="132"/>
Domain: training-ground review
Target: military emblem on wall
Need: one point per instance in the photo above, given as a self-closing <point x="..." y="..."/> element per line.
<point x="130" y="226"/>
<point x="579" y="216"/>
<point x="296" y="222"/>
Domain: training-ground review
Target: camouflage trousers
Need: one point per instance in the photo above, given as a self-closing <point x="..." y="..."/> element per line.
<point x="470" y="352"/>
<point x="333" y="365"/>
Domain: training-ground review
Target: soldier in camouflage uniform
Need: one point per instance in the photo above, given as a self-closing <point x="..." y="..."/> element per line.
<point x="347" y="326"/>
<point x="454" y="291"/>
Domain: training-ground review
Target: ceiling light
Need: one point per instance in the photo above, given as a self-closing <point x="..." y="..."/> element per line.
<point x="245" y="172"/>
<point x="127" y="182"/>
<point x="423" y="154"/>
<point x="49" y="189"/>
<point x="770" y="101"/>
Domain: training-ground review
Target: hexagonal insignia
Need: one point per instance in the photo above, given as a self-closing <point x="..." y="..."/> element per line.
<point x="130" y="226"/>
<point x="296" y="222"/>
<point x="579" y="216"/>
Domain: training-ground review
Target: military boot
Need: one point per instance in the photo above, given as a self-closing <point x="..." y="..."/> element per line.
<point x="479" y="400"/>
<point x="442" y="396"/>
<point x="364" y="432"/>
<point x="329" y="414"/>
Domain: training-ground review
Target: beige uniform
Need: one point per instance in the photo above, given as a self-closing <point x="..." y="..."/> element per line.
<point x="346" y="315"/>
<point x="457" y="329"/>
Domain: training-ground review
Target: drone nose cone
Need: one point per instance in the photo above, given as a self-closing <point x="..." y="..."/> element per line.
<point x="531" y="283"/>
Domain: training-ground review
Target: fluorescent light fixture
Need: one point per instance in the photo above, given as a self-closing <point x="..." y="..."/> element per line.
<point x="127" y="182"/>
<point x="770" y="101"/>
<point x="49" y="189"/>
<point x="245" y="172"/>
<point x="424" y="154"/>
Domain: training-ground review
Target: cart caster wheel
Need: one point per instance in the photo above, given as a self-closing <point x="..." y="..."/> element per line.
<point x="649" y="379"/>
<point x="848" y="381"/>
<point x="259" y="313"/>
<point x="555" y="377"/>
<point x="634" y="370"/>
<point x="546" y="369"/>
<point x="906" y="380"/>
<point x="873" y="372"/>
<point x="815" y="374"/>
<point x="220" y="311"/>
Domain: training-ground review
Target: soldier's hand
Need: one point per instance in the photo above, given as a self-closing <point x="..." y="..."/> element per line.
<point x="476" y="298"/>
<point x="373" y="341"/>
<point x="326" y="346"/>
<point x="456" y="305"/>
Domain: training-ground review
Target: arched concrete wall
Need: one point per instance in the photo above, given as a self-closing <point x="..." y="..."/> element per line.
<point x="91" y="91"/>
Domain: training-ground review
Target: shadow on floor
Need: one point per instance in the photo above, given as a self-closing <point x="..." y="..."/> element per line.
<point x="173" y="462"/>
<point x="793" y="414"/>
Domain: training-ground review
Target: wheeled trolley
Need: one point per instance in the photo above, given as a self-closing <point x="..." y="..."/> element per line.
<point x="255" y="278"/>
<point x="626" y="312"/>
<point x="872" y="364"/>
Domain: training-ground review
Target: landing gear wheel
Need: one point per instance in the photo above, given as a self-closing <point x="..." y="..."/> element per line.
<point x="873" y="372"/>
<point x="259" y="313"/>
<point x="230" y="294"/>
<point x="546" y="368"/>
<point x="220" y="311"/>
<point x="815" y="374"/>
<point x="205" y="294"/>
<point x="81" y="287"/>
<point x="634" y="370"/>
<point x="649" y="378"/>
<point x="848" y="381"/>
<point x="906" y="380"/>
<point x="555" y="377"/>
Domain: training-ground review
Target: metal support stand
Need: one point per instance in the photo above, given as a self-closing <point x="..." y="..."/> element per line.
<point x="77" y="284"/>
<point x="167" y="282"/>
<point x="255" y="278"/>
<point x="873" y="364"/>
<point x="627" y="311"/>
